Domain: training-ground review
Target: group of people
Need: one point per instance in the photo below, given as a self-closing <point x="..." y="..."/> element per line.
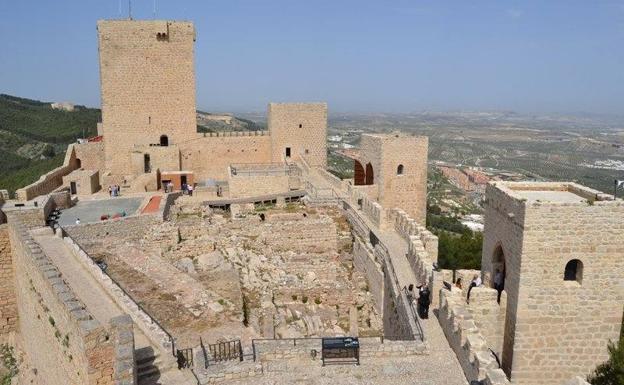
<point x="499" y="284"/>
<point x="114" y="190"/>
<point x="423" y="301"/>
<point x="187" y="189"/>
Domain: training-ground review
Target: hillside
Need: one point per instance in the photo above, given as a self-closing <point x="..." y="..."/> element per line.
<point x="34" y="136"/>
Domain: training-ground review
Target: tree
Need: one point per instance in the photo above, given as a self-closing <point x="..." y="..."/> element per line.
<point x="612" y="371"/>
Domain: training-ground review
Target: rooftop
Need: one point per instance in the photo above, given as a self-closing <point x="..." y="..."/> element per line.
<point x="551" y="192"/>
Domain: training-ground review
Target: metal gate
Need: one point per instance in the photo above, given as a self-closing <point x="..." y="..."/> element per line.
<point x="226" y="351"/>
<point x="185" y="358"/>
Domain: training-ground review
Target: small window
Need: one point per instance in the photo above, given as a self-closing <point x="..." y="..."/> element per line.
<point x="300" y="125"/>
<point x="288" y="152"/>
<point x="400" y="170"/>
<point x="164" y="140"/>
<point x="307" y="151"/>
<point x="573" y="271"/>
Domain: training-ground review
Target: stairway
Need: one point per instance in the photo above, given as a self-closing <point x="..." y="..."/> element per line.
<point x="148" y="365"/>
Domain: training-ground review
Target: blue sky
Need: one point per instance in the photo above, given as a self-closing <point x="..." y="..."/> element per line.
<point x="394" y="56"/>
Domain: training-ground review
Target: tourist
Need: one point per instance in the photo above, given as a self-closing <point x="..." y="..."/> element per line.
<point x="118" y="190"/>
<point x="458" y="283"/>
<point x="499" y="283"/>
<point x="184" y="187"/>
<point x="424" y="300"/>
<point x="190" y="189"/>
<point x="110" y="191"/>
<point x="476" y="281"/>
<point x="77" y="221"/>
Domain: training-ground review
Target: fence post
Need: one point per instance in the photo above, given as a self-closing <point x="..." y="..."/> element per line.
<point x="240" y="351"/>
<point x="253" y="348"/>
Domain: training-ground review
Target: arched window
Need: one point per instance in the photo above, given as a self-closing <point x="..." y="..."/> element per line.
<point x="358" y="173"/>
<point x="164" y="140"/>
<point x="573" y="271"/>
<point x="400" y="170"/>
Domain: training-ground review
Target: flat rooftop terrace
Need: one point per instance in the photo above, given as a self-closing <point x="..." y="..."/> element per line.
<point x="551" y="192"/>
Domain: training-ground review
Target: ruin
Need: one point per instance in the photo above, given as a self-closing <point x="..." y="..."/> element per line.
<point x="271" y="253"/>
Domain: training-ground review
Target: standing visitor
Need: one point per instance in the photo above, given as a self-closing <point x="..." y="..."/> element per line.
<point x="476" y="281"/>
<point x="499" y="283"/>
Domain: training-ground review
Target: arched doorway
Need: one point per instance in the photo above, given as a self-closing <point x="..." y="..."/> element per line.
<point x="164" y="140"/>
<point x="359" y="177"/>
<point x="370" y="176"/>
<point x="498" y="265"/>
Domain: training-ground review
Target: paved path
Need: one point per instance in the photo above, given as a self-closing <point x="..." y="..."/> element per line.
<point x="102" y="306"/>
<point x="91" y="210"/>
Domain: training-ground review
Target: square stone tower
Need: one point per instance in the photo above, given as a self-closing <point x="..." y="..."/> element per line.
<point x="397" y="165"/>
<point x="298" y="130"/>
<point x="148" y="87"/>
<point x="561" y="248"/>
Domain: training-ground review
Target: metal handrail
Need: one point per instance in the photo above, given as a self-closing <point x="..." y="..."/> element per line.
<point x="152" y="319"/>
<point x="415" y="315"/>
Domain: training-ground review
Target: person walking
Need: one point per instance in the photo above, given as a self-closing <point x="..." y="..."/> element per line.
<point x="190" y="190"/>
<point x="424" y="300"/>
<point x="499" y="283"/>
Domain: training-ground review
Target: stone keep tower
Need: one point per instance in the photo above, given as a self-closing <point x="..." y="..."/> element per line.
<point x="147" y="85"/>
<point x="298" y="130"/>
<point x="397" y="164"/>
<point x="561" y="246"/>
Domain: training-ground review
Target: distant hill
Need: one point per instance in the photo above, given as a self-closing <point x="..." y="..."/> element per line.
<point x="34" y="135"/>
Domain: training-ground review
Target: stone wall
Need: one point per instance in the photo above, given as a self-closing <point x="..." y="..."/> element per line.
<point x="467" y="342"/>
<point x="148" y="86"/>
<point x="61" y="338"/>
<point x="489" y="315"/>
<point x="364" y="262"/>
<point x="293" y="232"/>
<point x="8" y="304"/>
<point x="90" y="155"/>
<point x="242" y="186"/>
<point x="132" y="228"/>
<point x="302" y="127"/>
<point x="210" y="157"/>
<point x="407" y="227"/>
<point x="50" y="181"/>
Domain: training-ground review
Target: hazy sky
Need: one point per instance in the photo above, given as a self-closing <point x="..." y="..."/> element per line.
<point x="527" y="56"/>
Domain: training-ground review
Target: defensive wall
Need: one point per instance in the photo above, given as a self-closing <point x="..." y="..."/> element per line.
<point x="8" y="303"/>
<point x="52" y="180"/>
<point x="62" y="339"/>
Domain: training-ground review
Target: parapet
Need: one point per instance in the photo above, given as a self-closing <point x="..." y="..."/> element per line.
<point x="552" y="193"/>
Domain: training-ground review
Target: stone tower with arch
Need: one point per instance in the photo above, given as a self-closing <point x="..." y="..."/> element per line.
<point x="561" y="248"/>
<point x="395" y="167"/>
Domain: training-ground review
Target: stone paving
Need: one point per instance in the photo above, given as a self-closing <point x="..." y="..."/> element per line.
<point x="91" y="211"/>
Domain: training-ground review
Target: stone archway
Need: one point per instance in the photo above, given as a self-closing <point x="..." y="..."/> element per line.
<point x="359" y="178"/>
<point x="370" y="175"/>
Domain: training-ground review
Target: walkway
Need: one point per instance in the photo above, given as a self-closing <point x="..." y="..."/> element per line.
<point x="101" y="305"/>
<point x="441" y="365"/>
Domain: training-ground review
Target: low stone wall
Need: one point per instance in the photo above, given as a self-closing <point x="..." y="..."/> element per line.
<point x="132" y="228"/>
<point x="61" y="338"/>
<point x="242" y="186"/>
<point x="364" y="262"/>
<point x="301" y="349"/>
<point x="467" y="342"/>
<point x="8" y="303"/>
<point x="489" y="316"/>
<point x="152" y="330"/>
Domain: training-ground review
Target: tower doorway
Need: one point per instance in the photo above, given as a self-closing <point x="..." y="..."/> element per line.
<point x="370" y="176"/>
<point x="147" y="164"/>
<point x="164" y="140"/>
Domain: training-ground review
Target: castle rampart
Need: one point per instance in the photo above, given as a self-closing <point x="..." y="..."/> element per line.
<point x="62" y="339"/>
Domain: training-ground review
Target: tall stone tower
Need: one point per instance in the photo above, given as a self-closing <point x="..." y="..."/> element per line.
<point x="561" y="248"/>
<point x="397" y="165"/>
<point x="298" y="130"/>
<point x="147" y="85"/>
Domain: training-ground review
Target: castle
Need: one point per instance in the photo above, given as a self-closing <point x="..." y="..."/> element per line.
<point x="559" y="245"/>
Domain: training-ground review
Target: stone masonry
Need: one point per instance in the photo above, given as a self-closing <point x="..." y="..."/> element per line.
<point x="148" y="86"/>
<point x="557" y="325"/>
<point x="8" y="305"/>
